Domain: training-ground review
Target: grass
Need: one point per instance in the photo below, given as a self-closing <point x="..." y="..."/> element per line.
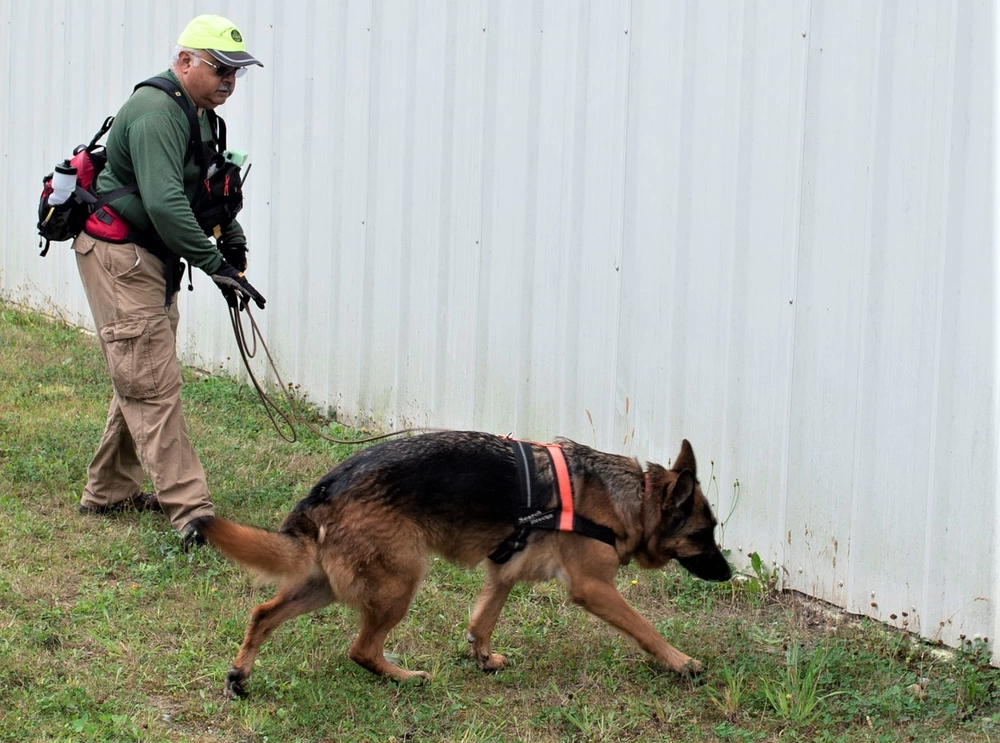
<point x="109" y="631"/>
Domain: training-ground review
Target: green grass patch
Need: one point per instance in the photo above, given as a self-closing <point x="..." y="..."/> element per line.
<point x="110" y="631"/>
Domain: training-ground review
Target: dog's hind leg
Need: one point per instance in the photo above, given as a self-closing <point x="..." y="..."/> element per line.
<point x="380" y="612"/>
<point x="292" y="600"/>
<point x="491" y="601"/>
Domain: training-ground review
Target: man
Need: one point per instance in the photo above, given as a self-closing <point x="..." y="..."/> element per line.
<point x="129" y="257"/>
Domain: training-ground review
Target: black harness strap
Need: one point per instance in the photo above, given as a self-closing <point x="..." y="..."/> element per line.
<point x="196" y="148"/>
<point x="528" y="486"/>
<point x="531" y="514"/>
<point x="524" y="458"/>
<point x="588" y="528"/>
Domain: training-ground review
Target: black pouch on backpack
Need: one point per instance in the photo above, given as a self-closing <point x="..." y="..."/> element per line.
<point x="219" y="197"/>
<point x="58" y="222"/>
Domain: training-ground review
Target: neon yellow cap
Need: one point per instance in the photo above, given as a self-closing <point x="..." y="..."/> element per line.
<point x="220" y="37"/>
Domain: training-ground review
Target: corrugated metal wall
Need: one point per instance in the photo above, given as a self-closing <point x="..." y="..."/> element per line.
<point x="764" y="226"/>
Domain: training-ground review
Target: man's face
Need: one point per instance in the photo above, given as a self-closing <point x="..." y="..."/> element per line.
<point x="209" y="86"/>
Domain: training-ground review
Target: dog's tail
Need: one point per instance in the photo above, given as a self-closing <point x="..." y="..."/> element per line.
<point x="270" y="555"/>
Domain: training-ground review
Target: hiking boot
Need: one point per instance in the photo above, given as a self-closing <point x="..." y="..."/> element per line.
<point x="192" y="537"/>
<point x="138" y="503"/>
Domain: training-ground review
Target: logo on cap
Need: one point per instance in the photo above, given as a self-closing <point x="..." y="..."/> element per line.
<point x="236" y="36"/>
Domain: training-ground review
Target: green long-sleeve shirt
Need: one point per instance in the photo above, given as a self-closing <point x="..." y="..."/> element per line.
<point x="147" y="145"/>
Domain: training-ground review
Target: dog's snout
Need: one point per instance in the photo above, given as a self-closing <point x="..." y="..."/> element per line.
<point x="710" y="566"/>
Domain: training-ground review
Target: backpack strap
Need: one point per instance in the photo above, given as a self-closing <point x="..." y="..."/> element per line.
<point x="81" y="193"/>
<point x="195" y="146"/>
<point x="194" y="143"/>
<point x="218" y="129"/>
<point x="105" y="128"/>
<point x="97" y="202"/>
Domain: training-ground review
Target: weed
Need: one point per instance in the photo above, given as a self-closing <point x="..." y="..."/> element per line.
<point x="977" y="686"/>
<point x="730" y="700"/>
<point x="764" y="582"/>
<point x="795" y="693"/>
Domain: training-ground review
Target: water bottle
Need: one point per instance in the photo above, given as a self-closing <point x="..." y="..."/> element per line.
<point x="63" y="183"/>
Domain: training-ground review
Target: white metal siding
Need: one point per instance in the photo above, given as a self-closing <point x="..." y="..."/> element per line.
<point x="764" y="226"/>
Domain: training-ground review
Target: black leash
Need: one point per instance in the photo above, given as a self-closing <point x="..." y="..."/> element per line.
<point x="272" y="409"/>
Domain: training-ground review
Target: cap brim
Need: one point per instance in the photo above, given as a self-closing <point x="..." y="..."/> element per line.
<point x="234" y="59"/>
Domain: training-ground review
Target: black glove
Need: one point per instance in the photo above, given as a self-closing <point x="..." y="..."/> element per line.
<point x="236" y="288"/>
<point x="235" y="255"/>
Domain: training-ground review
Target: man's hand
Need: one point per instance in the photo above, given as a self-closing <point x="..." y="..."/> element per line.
<point x="236" y="288"/>
<point x="235" y="255"/>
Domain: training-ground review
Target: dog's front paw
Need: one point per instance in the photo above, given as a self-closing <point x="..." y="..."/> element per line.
<point x="692" y="667"/>
<point x="413" y="677"/>
<point x="235" y="684"/>
<point x="491" y="663"/>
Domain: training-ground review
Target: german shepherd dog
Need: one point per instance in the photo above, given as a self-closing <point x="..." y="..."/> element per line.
<point x="364" y="534"/>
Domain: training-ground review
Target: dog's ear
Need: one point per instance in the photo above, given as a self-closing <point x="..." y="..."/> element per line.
<point x="685" y="460"/>
<point x="681" y="497"/>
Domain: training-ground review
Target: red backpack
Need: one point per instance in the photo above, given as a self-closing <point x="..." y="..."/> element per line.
<point x="65" y="221"/>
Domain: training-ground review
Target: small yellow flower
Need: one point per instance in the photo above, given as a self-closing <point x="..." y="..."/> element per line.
<point x="134" y="586"/>
<point x="635" y="583"/>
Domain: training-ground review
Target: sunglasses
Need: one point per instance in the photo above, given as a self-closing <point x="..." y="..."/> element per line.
<point x="223" y="71"/>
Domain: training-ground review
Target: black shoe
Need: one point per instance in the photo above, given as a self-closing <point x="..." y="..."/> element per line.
<point x="140" y="503"/>
<point x="192" y="537"/>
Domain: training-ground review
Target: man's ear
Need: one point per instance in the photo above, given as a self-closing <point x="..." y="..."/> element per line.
<point x="685" y="460"/>
<point x="185" y="59"/>
<point x="681" y="496"/>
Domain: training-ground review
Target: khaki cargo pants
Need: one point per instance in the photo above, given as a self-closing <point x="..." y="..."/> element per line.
<point x="145" y="430"/>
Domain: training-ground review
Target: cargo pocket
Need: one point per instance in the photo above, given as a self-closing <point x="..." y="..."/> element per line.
<point x="129" y="353"/>
<point x="83" y="243"/>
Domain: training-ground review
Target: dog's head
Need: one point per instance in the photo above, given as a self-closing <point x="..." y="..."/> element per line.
<point x="679" y="523"/>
